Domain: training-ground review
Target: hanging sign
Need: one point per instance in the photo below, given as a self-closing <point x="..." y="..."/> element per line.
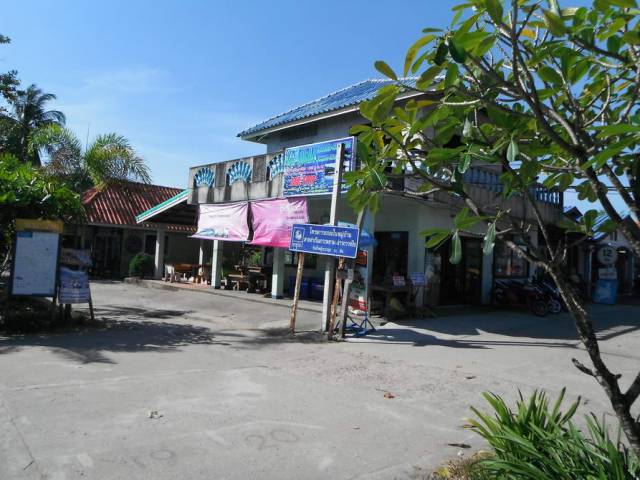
<point x="224" y="221"/>
<point x="273" y="220"/>
<point x="358" y="295"/>
<point x="310" y="169"/>
<point x="607" y="255"/>
<point x="325" y="240"/>
<point x="35" y="263"/>
<point x="74" y="286"/>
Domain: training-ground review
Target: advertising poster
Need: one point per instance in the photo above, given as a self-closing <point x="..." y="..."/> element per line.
<point x="74" y="286"/>
<point x="224" y="221"/>
<point x="273" y="220"/>
<point x="358" y="296"/>
<point x="35" y="263"/>
<point x="310" y="169"/>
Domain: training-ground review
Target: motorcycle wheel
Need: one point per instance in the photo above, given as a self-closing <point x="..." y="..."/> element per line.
<point x="555" y="306"/>
<point x="497" y="298"/>
<point x="539" y="307"/>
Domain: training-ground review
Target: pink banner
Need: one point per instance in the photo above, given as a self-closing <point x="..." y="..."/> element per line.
<point x="224" y="221"/>
<point x="273" y="219"/>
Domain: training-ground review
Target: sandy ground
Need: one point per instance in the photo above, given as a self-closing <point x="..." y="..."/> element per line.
<point x="180" y="384"/>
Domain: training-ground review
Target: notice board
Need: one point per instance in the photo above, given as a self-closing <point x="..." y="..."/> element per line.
<point x="35" y="263"/>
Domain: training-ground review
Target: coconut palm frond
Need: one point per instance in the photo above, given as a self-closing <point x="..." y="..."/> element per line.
<point x="111" y="157"/>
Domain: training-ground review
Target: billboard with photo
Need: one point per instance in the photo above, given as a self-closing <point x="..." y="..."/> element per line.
<point x="310" y="169"/>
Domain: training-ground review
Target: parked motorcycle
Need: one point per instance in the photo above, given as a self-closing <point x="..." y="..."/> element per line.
<point x="520" y="294"/>
<point x="555" y="302"/>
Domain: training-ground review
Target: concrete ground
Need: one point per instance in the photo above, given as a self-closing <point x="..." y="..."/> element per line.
<point x="237" y="399"/>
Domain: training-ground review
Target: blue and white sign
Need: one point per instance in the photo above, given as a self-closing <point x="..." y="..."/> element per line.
<point x="310" y="169"/>
<point x="324" y="240"/>
<point x="605" y="292"/>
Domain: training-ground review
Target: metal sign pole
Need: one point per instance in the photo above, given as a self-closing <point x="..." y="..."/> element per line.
<point x="330" y="268"/>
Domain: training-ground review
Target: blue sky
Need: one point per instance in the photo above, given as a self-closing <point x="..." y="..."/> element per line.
<point x="181" y="79"/>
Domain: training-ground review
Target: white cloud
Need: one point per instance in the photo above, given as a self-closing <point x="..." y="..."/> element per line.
<point x="130" y="81"/>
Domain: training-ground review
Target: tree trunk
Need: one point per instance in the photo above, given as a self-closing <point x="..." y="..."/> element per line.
<point x="620" y="403"/>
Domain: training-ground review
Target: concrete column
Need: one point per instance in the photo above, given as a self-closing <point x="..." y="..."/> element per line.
<point x="216" y="264"/>
<point x="277" y="277"/>
<point x="201" y="254"/>
<point x="487" y="278"/>
<point x="159" y="258"/>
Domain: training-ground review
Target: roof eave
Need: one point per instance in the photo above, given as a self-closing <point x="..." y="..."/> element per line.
<point x="259" y="134"/>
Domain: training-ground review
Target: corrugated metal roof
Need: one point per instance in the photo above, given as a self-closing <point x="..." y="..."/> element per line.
<point x="347" y="97"/>
<point x="119" y="203"/>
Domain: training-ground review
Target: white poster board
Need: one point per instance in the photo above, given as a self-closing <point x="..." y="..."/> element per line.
<point x="74" y="286"/>
<point x="35" y="264"/>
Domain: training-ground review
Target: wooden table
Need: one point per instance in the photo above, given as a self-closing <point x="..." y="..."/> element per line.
<point x="389" y="290"/>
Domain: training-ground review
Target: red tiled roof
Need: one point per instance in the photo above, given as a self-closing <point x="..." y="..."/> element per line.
<point x="119" y="203"/>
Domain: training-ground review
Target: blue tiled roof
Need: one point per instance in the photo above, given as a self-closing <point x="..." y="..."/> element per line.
<point x="347" y="97"/>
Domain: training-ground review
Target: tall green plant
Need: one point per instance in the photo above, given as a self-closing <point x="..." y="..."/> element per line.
<point x="539" y="441"/>
<point x="110" y="157"/>
<point x="541" y="95"/>
<point x="27" y="192"/>
<point x="28" y="114"/>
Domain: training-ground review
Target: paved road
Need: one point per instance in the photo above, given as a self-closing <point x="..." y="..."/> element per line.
<point x="236" y="399"/>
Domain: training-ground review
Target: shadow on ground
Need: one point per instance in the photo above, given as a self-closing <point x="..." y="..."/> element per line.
<point x="609" y="322"/>
<point x="131" y="329"/>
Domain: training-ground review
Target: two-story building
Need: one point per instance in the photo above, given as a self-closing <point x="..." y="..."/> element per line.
<point x="399" y="248"/>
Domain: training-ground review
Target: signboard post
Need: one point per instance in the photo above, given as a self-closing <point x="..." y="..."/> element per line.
<point x="34" y="268"/>
<point x="35" y="264"/>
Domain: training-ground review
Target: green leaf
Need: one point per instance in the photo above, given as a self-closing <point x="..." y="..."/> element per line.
<point x="463" y="166"/>
<point x="437" y="236"/>
<point x="456" y="249"/>
<point x="632" y="37"/>
<point x="385" y="69"/>
<point x="413" y="51"/>
<point x="452" y="75"/>
<point x="512" y="151"/>
<point x="554" y="23"/>
<point x="623" y="3"/>
<point x="441" y="54"/>
<point x="489" y="239"/>
<point x="612" y="130"/>
<point x="494" y="9"/>
<point x="426" y="79"/>
<point x="550" y="75"/>
<point x="457" y="52"/>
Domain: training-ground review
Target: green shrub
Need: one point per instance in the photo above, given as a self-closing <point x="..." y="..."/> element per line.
<point x="542" y="443"/>
<point x="142" y="265"/>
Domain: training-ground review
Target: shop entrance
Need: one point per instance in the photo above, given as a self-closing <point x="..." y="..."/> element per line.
<point x="390" y="256"/>
<point x="462" y="283"/>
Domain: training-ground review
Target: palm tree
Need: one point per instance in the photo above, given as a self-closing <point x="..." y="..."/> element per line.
<point x="109" y="158"/>
<point x="30" y="114"/>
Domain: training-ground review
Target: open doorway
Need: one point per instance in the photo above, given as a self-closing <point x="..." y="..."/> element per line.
<point x="390" y="256"/>
<point x="462" y="283"/>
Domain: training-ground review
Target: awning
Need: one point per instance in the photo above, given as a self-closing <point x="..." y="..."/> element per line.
<point x="173" y="212"/>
